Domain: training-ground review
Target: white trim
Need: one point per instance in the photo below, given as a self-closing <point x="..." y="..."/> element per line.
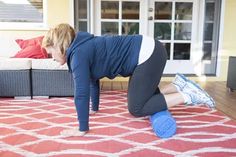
<point x="143" y="17"/>
<point x="28" y="25"/>
<point x="71" y="13"/>
<point x="221" y="35"/>
<point x="120" y="18"/>
<point x="97" y="17"/>
<point x="45" y="13"/>
<point x="91" y="16"/>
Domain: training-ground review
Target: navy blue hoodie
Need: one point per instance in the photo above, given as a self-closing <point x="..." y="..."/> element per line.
<point x="90" y="58"/>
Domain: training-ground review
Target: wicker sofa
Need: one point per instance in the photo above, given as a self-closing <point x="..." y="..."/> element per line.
<point x="34" y="77"/>
<point x="15" y="77"/>
<point x="23" y="77"/>
<point x="50" y="79"/>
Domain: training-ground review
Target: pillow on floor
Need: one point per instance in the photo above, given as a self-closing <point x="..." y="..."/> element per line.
<point x="31" y="48"/>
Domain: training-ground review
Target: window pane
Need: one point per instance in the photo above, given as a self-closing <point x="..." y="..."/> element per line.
<point x="162" y="31"/>
<point x="167" y="46"/>
<point x="130" y="28"/>
<point x="109" y="28"/>
<point x="183" y="31"/>
<point x="130" y="10"/>
<point x="181" y="51"/>
<point x="207" y="49"/>
<point x="208" y="31"/>
<point x="109" y="10"/>
<point x="82" y="9"/>
<point x="21" y="11"/>
<point x="83" y="26"/>
<point x="183" y="11"/>
<point x="163" y="10"/>
<point x="210" y="7"/>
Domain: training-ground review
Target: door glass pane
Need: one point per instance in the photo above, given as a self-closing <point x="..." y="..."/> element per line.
<point x="162" y="31"/>
<point x="81" y="16"/>
<point x="109" y="10"/>
<point x="83" y="26"/>
<point x="130" y="10"/>
<point x="207" y="51"/>
<point x="208" y="31"/>
<point x="181" y="51"/>
<point x="109" y="28"/>
<point x="167" y="46"/>
<point x="163" y="10"/>
<point x="82" y="9"/>
<point x="130" y="28"/>
<point x="210" y="7"/>
<point x="183" y="31"/>
<point x="183" y="11"/>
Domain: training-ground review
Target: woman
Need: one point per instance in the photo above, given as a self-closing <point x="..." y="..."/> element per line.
<point x="91" y="58"/>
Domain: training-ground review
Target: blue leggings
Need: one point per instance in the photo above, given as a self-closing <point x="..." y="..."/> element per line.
<point x="144" y="97"/>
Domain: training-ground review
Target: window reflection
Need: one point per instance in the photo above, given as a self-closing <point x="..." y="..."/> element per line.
<point x="82" y="9"/>
<point x="130" y="10"/>
<point x="210" y="8"/>
<point x="183" y="11"/>
<point x="163" y="10"/>
<point x="109" y="10"/>
<point x="109" y="28"/>
<point x="130" y="28"/>
<point x="167" y="46"/>
<point x="208" y="31"/>
<point x="162" y="31"/>
<point x="28" y="11"/>
<point x="181" y="51"/>
<point x="207" y="49"/>
<point x="83" y="26"/>
<point x="183" y="31"/>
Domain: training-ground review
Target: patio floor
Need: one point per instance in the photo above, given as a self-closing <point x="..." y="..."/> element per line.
<point x="225" y="100"/>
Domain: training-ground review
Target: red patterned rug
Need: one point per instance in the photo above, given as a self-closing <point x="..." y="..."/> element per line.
<point x="31" y="128"/>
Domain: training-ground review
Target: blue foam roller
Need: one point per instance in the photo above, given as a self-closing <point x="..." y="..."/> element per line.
<point x="163" y="124"/>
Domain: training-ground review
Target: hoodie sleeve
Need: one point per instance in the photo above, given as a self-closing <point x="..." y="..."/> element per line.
<point x="81" y="74"/>
<point x="94" y="93"/>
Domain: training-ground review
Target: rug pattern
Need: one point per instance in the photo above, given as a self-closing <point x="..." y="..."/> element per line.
<point x="32" y="128"/>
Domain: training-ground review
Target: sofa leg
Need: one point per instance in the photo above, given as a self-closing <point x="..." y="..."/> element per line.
<point x="22" y="97"/>
<point x="44" y="97"/>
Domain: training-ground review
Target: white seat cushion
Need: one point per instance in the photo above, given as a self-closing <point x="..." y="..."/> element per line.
<point x="47" y="64"/>
<point x="15" y="63"/>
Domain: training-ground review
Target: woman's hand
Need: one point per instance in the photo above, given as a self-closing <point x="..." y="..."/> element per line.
<point x="72" y="132"/>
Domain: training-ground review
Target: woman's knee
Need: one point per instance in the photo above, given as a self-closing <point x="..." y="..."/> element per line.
<point x="135" y="112"/>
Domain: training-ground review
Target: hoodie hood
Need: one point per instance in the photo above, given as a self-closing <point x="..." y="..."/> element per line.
<point x="80" y="38"/>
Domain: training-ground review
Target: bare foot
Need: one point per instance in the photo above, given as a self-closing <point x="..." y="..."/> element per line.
<point x="72" y="132"/>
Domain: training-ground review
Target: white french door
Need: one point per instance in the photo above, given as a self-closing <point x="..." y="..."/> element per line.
<point x="118" y="17"/>
<point x="173" y="22"/>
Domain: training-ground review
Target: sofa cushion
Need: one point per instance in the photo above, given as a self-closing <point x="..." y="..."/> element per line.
<point x="48" y="64"/>
<point x="15" y="63"/>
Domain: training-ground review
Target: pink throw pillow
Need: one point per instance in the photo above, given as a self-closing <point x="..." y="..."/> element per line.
<point x="34" y="51"/>
<point x="31" y="48"/>
<point x="29" y="42"/>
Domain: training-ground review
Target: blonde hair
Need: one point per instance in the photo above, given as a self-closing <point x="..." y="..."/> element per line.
<point x="60" y="36"/>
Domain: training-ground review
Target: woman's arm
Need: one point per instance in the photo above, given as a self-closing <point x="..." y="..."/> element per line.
<point x="95" y="94"/>
<point x="81" y="75"/>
